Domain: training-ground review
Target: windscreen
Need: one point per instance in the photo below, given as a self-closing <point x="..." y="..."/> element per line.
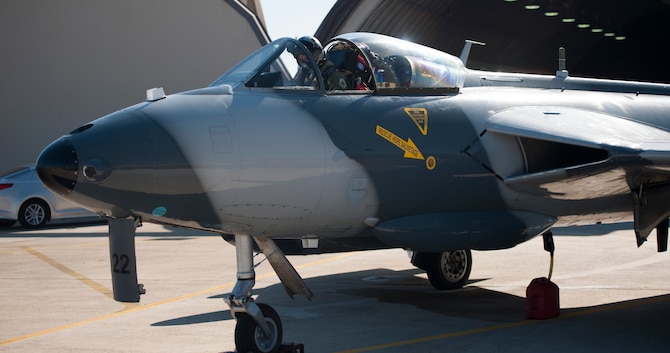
<point x="284" y="63"/>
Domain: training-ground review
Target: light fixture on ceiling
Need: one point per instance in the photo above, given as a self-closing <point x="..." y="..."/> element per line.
<point x="609" y="29"/>
<point x="568" y="19"/>
<point x="568" y="16"/>
<point x="583" y="20"/>
<point x="552" y="9"/>
<point x="532" y="5"/>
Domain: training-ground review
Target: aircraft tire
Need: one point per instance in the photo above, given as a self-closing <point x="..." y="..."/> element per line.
<point x="249" y="336"/>
<point x="448" y="270"/>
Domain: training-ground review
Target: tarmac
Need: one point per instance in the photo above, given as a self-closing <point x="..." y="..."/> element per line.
<point x="55" y="296"/>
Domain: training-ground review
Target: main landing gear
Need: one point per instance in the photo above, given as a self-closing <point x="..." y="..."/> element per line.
<point x="258" y="328"/>
<point x="446" y="270"/>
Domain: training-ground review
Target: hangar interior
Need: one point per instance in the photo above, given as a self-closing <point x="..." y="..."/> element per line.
<point x="617" y="39"/>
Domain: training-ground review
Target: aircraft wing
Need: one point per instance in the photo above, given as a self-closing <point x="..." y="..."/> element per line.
<point x="579" y="127"/>
<point x="576" y="154"/>
<point x="593" y="154"/>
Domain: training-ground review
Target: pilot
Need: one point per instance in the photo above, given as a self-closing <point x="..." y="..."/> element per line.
<point x="351" y="65"/>
<point x="332" y="78"/>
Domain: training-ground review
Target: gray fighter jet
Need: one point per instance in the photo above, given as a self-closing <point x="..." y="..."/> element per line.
<point x="414" y="151"/>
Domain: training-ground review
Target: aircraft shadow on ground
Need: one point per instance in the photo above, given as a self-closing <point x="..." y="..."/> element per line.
<point x="406" y="288"/>
<point x="222" y="315"/>
<point x="386" y="286"/>
<point x="17" y="230"/>
<point x="169" y="233"/>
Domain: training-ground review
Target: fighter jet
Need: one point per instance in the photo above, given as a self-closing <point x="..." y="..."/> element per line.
<point x="412" y="151"/>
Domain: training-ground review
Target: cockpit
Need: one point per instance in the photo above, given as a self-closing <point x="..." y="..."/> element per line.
<point x="363" y="62"/>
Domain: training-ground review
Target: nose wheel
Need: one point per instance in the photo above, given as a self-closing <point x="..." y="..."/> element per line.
<point x="250" y="336"/>
<point x="258" y="328"/>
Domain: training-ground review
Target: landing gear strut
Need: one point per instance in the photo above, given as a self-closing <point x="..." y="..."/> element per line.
<point x="446" y="270"/>
<point x="258" y="328"/>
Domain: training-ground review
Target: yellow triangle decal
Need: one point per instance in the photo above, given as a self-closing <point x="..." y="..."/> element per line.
<point x="420" y="118"/>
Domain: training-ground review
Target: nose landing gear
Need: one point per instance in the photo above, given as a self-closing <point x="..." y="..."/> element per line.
<point x="251" y="337"/>
<point x="258" y="328"/>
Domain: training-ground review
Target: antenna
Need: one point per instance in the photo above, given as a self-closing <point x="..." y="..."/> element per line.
<point x="466" y="50"/>
<point x="561" y="72"/>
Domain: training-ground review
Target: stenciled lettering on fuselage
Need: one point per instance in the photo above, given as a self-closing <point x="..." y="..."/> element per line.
<point x="420" y="118"/>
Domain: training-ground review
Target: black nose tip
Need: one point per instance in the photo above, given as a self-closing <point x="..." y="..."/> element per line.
<point x="57" y="167"/>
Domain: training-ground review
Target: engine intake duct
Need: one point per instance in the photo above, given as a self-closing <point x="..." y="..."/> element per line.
<point x="543" y="155"/>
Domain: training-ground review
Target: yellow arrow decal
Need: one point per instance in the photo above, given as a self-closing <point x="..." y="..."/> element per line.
<point x="411" y="151"/>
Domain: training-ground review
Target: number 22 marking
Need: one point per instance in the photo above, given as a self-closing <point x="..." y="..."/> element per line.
<point x="123" y="261"/>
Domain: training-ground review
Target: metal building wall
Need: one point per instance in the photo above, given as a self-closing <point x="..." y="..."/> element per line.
<point x="64" y="63"/>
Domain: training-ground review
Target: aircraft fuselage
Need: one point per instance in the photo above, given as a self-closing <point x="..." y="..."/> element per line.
<point x="289" y="165"/>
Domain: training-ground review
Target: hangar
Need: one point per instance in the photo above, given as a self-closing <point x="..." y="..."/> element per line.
<point x="66" y="62"/>
<point x="617" y="39"/>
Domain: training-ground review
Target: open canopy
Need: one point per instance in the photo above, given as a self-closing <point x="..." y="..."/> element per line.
<point x="368" y="61"/>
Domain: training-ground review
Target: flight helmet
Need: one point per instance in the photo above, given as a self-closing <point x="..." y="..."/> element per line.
<point x="313" y="45"/>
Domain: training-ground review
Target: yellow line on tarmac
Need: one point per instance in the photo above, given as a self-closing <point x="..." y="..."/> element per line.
<point x="595" y="310"/>
<point x="83" y="279"/>
<point x="129" y="307"/>
<point x="127" y="310"/>
<point x="439" y="337"/>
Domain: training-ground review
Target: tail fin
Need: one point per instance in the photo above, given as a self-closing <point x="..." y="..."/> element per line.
<point x="466" y="50"/>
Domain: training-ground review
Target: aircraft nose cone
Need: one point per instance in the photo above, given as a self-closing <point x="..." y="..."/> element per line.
<point x="57" y="167"/>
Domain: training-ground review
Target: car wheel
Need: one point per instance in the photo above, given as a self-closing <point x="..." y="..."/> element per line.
<point x="34" y="213"/>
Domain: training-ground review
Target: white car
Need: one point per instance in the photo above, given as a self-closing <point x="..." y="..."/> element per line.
<point x="24" y="198"/>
